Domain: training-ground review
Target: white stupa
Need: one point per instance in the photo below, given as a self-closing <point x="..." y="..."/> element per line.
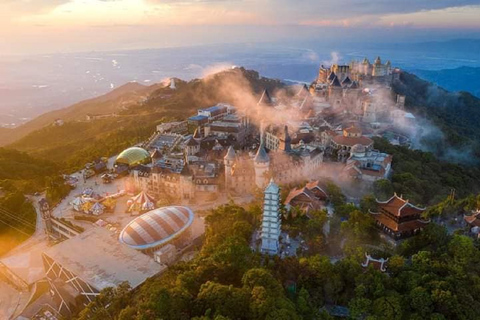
<point x="271" y="220"/>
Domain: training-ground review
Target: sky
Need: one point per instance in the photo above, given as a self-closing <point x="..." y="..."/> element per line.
<point x="44" y="26"/>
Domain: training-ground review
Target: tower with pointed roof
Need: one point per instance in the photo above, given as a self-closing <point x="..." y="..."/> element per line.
<point x="261" y="164"/>
<point x="228" y="161"/>
<point x="286" y="141"/>
<point x="271" y="219"/>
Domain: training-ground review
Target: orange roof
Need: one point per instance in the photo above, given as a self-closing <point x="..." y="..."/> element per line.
<point x="353" y="130"/>
<point x="399" y="207"/>
<point x="473" y="220"/>
<point x="296" y="192"/>
<point x="351" y="141"/>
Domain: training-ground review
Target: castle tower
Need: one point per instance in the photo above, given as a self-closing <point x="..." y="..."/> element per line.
<point x="286" y="141"/>
<point x="369" y="112"/>
<point x="228" y="161"/>
<point x="261" y="164"/>
<point x="271" y="220"/>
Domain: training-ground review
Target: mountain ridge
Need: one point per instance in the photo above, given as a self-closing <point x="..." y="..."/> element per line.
<point x="110" y="102"/>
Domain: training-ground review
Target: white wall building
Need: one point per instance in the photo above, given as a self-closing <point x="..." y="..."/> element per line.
<point x="271" y="220"/>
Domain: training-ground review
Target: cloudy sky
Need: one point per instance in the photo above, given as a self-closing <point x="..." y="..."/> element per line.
<point x="38" y="26"/>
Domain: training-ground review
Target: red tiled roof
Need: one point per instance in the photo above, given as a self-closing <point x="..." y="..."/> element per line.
<point x="296" y="192"/>
<point x="353" y="130"/>
<point x="473" y="220"/>
<point x="399" y="207"/>
<point x="351" y="141"/>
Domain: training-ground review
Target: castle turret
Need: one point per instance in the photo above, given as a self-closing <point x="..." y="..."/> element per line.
<point x="261" y="163"/>
<point x="286" y="141"/>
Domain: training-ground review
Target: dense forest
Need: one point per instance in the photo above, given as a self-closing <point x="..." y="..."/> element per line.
<point x="456" y="114"/>
<point x="423" y="178"/>
<point x="22" y="174"/>
<point x="432" y="276"/>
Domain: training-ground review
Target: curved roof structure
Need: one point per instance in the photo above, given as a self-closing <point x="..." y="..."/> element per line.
<point x="156" y="227"/>
<point x="133" y="156"/>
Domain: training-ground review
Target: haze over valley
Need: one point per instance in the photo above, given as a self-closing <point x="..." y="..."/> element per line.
<point x="34" y="84"/>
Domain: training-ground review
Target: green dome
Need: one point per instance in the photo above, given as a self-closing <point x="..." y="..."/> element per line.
<point x="133" y="156"/>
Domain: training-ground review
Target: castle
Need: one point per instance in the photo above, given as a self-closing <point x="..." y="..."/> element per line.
<point x="286" y="165"/>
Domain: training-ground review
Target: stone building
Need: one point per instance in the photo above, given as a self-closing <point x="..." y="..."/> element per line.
<point x="367" y="165"/>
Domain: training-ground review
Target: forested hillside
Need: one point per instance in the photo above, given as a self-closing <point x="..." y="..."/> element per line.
<point x="128" y="95"/>
<point x="21" y="174"/>
<point x="457" y="115"/>
<point x="432" y="276"/>
<point x="458" y="79"/>
<point x="78" y="142"/>
<point x="423" y="178"/>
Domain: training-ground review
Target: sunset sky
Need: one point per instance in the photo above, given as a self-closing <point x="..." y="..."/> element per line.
<point x="39" y="26"/>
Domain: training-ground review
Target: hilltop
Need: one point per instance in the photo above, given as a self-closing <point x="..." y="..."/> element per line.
<point x="456" y="114"/>
<point x="123" y="97"/>
<point x="138" y="110"/>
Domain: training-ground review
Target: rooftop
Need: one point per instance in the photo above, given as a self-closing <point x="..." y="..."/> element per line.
<point x="99" y="259"/>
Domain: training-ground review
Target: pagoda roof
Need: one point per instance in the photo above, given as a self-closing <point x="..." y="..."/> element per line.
<point x="399" y="207"/>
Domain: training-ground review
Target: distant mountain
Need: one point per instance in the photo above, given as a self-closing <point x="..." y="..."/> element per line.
<point x="458" y="79"/>
<point x="128" y="95"/>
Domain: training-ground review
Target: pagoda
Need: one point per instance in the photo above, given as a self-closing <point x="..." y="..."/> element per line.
<point x="271" y="221"/>
<point x="399" y="218"/>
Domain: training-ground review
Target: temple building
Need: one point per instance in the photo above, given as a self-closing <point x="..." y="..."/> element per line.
<point x="311" y="197"/>
<point x="271" y="220"/>
<point x="399" y="218"/>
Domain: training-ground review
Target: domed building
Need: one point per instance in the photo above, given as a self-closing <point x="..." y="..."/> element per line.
<point x="133" y="156"/>
<point x="358" y="150"/>
<point x="157" y="228"/>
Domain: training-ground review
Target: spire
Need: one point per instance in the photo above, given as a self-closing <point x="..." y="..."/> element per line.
<point x="272" y="187"/>
<point x="287" y="140"/>
<point x="331" y="76"/>
<point x="346" y="81"/>
<point x="335" y="82"/>
<point x="230" y="154"/>
<point x="261" y="156"/>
